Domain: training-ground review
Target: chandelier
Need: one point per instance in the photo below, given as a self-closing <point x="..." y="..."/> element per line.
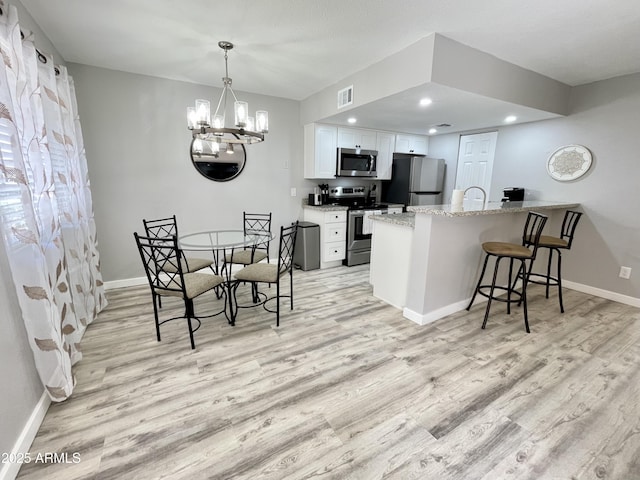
<point x="211" y="135"/>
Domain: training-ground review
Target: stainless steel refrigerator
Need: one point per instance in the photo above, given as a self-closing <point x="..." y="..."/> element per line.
<point x="415" y="180"/>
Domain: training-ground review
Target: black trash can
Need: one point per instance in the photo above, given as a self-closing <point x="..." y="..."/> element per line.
<point x="307" y="250"/>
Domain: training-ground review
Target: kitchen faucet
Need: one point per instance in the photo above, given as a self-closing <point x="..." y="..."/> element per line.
<point x="484" y="194"/>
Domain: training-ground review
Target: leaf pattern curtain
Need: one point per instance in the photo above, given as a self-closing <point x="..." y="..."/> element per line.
<point x="46" y="212"/>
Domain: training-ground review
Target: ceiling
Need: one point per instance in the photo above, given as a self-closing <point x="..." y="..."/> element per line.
<point x="295" y="48"/>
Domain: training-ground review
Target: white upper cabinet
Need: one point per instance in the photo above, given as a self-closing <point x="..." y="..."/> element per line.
<point x="385" y="143"/>
<point x="417" y="144"/>
<point x="356" y="138"/>
<point x="320" y="144"/>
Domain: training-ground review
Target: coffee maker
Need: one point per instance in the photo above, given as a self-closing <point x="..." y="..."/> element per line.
<point x="513" y="194"/>
<point x="324" y="193"/>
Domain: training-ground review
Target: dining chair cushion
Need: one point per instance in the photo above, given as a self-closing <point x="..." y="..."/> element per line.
<point x="258" y="272"/>
<point x="194" y="283"/>
<point x="243" y="257"/>
<point x="505" y="249"/>
<point x="190" y="264"/>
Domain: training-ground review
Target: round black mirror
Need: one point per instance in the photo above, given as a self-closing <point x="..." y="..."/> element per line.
<point x="216" y="159"/>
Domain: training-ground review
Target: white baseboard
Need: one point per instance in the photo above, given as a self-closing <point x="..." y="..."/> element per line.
<point x="599" y="292"/>
<point x="426" y="318"/>
<point x="127" y="282"/>
<point x="10" y="471"/>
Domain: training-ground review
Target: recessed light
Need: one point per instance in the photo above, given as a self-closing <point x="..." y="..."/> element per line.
<point x="510" y="118"/>
<point x="352" y="120"/>
<point x="432" y="130"/>
<point x="425" y="101"/>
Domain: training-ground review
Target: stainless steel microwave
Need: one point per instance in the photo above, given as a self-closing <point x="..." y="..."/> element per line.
<point x="356" y="162"/>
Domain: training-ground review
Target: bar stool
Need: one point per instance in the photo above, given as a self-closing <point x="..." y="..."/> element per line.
<point x="556" y="244"/>
<point x="512" y="251"/>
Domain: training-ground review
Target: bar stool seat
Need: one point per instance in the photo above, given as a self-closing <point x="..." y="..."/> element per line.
<point x="556" y="244"/>
<point x="506" y="249"/>
<point x="552" y="242"/>
<point x="513" y="252"/>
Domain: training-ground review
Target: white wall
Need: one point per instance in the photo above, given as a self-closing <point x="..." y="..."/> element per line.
<point x="604" y="117"/>
<point x="137" y="145"/>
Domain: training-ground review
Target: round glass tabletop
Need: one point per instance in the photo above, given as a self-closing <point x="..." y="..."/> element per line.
<point x="219" y="239"/>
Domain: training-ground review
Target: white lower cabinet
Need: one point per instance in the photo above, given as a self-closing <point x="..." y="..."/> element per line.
<point x="333" y="234"/>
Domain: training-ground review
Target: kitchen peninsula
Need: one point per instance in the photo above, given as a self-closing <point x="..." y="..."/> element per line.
<point x="427" y="261"/>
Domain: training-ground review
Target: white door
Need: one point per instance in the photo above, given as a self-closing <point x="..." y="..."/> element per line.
<point x="475" y="164"/>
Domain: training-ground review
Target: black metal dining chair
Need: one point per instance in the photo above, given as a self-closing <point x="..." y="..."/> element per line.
<point x="272" y="273"/>
<point x="162" y="263"/>
<point x="253" y="224"/>
<point x="167" y="227"/>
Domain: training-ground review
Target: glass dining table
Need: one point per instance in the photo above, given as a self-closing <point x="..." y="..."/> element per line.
<point x="222" y="243"/>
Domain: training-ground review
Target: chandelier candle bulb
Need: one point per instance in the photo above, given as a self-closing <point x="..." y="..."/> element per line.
<point x="191" y="118"/>
<point x="262" y="121"/>
<point x="203" y="112"/>
<point x="218" y="122"/>
<point x="251" y="124"/>
<point x="197" y="146"/>
<point x="241" y="109"/>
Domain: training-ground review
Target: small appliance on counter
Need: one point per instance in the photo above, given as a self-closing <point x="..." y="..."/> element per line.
<point x="324" y="193"/>
<point x="513" y="194"/>
<point x="315" y="198"/>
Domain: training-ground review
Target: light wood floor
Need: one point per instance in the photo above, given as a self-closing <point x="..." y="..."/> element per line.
<point x="348" y="388"/>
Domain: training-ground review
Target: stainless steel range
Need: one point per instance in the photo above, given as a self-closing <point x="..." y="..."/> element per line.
<point x="361" y="203"/>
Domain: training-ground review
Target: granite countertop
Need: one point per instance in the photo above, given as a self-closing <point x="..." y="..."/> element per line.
<point x="491" y="208"/>
<point x="325" y="208"/>
<point x="333" y="208"/>
<point x="407" y="219"/>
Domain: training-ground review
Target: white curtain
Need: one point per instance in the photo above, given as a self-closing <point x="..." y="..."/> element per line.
<point x="46" y="210"/>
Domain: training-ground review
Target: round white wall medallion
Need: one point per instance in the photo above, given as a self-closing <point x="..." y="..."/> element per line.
<point x="568" y="163"/>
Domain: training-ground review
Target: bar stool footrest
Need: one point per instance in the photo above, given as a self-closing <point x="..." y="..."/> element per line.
<point x="515" y="294"/>
<point x="542" y="279"/>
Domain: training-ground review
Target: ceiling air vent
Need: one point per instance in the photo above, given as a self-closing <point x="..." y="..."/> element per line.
<point x="345" y="96"/>
<point x="443" y="125"/>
